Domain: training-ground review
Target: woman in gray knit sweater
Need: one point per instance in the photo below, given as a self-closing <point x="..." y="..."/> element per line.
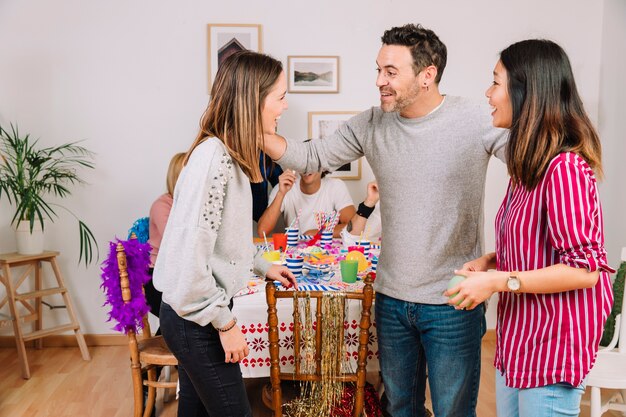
<point x="207" y="254"/>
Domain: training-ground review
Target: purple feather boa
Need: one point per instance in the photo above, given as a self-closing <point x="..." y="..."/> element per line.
<point x="128" y="316"/>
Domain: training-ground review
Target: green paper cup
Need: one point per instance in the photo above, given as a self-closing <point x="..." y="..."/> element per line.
<point x="349" y="269"/>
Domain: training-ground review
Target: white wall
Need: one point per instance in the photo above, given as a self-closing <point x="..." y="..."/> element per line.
<point x="612" y="125"/>
<point x="131" y="79"/>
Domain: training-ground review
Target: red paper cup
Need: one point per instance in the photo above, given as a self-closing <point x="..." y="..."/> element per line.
<point x="356" y="248"/>
<point x="280" y="241"/>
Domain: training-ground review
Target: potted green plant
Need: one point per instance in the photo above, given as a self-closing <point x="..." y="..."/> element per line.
<point x="29" y="174"/>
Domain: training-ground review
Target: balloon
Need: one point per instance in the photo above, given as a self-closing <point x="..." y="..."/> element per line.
<point x="453" y="283"/>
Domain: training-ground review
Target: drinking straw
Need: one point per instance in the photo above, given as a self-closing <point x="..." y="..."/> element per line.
<point x="293" y="222"/>
<point x="367" y="231"/>
<point x="267" y="245"/>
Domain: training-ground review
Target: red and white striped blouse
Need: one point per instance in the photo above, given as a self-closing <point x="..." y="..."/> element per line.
<point x="544" y="339"/>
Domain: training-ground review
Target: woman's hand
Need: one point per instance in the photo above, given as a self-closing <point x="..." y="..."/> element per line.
<point x="484" y="263"/>
<point x="475" y="288"/>
<point x="234" y="344"/>
<point x="283" y="274"/>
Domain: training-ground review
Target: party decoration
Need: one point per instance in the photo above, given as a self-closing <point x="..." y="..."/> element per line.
<point x="358" y="256"/>
<point x="453" y="283"/>
<point x="127" y="315"/>
<point x="141" y="229"/>
<point x="319" y="398"/>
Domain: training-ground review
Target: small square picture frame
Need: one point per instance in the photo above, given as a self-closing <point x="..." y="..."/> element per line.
<point x="313" y="74"/>
<point x="322" y="124"/>
<point x="224" y="39"/>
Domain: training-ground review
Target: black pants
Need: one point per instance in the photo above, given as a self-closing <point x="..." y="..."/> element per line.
<point x="153" y="297"/>
<point x="208" y="385"/>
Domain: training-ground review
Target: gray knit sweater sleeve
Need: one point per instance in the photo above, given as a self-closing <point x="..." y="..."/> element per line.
<point x="345" y="145"/>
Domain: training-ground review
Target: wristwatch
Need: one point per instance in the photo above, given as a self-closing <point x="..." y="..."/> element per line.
<point x="513" y="283"/>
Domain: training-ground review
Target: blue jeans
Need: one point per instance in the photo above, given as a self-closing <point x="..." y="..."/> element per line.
<point x="413" y="337"/>
<point x="548" y="401"/>
<point x="208" y="385"/>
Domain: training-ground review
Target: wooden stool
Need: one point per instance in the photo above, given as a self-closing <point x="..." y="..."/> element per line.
<point x="34" y="262"/>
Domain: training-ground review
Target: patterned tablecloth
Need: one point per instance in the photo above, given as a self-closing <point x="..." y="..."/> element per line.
<point x="250" y="308"/>
<point x="251" y="313"/>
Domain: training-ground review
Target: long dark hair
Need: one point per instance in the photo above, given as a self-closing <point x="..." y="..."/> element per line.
<point x="548" y="114"/>
<point x="241" y="85"/>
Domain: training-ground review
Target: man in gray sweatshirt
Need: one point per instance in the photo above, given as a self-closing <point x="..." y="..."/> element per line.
<point x="429" y="153"/>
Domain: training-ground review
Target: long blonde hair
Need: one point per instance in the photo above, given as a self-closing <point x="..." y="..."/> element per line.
<point x="233" y="115"/>
<point x="173" y="171"/>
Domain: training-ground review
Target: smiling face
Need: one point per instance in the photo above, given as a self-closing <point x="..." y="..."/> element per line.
<point x="499" y="100"/>
<point x="274" y="105"/>
<point x="311" y="178"/>
<point x="397" y="82"/>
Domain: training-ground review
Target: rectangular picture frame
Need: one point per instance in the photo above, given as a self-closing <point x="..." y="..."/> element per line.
<point x="313" y="74"/>
<point x="322" y="124"/>
<point x="226" y="38"/>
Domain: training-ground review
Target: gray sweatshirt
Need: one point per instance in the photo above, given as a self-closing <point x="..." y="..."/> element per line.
<point x="431" y="175"/>
<point x="207" y="254"/>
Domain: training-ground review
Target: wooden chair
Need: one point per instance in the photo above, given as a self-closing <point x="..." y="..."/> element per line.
<point x="358" y="377"/>
<point x="146" y="352"/>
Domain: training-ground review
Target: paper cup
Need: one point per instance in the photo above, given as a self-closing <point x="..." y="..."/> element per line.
<point x="374" y="263"/>
<point x="327" y="238"/>
<point x="357" y="248"/>
<point x="295" y="265"/>
<point x="292" y="236"/>
<point x="280" y="241"/>
<point x="272" y="256"/>
<point x="348" y="270"/>
<point x="365" y="244"/>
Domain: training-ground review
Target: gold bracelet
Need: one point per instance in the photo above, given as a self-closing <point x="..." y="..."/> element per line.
<point x="225" y="329"/>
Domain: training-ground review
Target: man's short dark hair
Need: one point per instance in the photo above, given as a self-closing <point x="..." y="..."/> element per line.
<point x="425" y="46"/>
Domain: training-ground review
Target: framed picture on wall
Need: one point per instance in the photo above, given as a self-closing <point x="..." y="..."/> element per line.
<point x="226" y="39"/>
<point x="322" y="124"/>
<point x="313" y="74"/>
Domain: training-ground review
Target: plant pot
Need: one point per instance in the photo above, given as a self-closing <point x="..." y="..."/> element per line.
<point x="29" y="243"/>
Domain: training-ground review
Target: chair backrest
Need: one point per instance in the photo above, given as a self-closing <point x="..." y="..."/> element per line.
<point x="317" y="371"/>
<point x="122" y="263"/>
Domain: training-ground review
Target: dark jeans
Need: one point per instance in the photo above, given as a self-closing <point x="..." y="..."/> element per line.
<point x="153" y="298"/>
<point x="208" y="385"/>
<point x="413" y="337"/>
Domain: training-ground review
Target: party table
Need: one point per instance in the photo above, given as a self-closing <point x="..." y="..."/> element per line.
<point x="250" y="308"/>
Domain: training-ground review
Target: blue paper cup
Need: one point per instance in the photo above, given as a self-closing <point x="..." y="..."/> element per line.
<point x="292" y="236"/>
<point x="327" y="238"/>
<point x="366" y="246"/>
<point x="374" y="263"/>
<point x="295" y="265"/>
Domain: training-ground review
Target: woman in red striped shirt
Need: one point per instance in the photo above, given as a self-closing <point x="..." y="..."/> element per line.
<point x="550" y="264"/>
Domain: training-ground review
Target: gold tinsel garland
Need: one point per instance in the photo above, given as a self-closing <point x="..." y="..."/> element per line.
<point x="317" y="398"/>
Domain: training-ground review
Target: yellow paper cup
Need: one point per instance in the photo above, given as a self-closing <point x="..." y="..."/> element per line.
<point x="272" y="256"/>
